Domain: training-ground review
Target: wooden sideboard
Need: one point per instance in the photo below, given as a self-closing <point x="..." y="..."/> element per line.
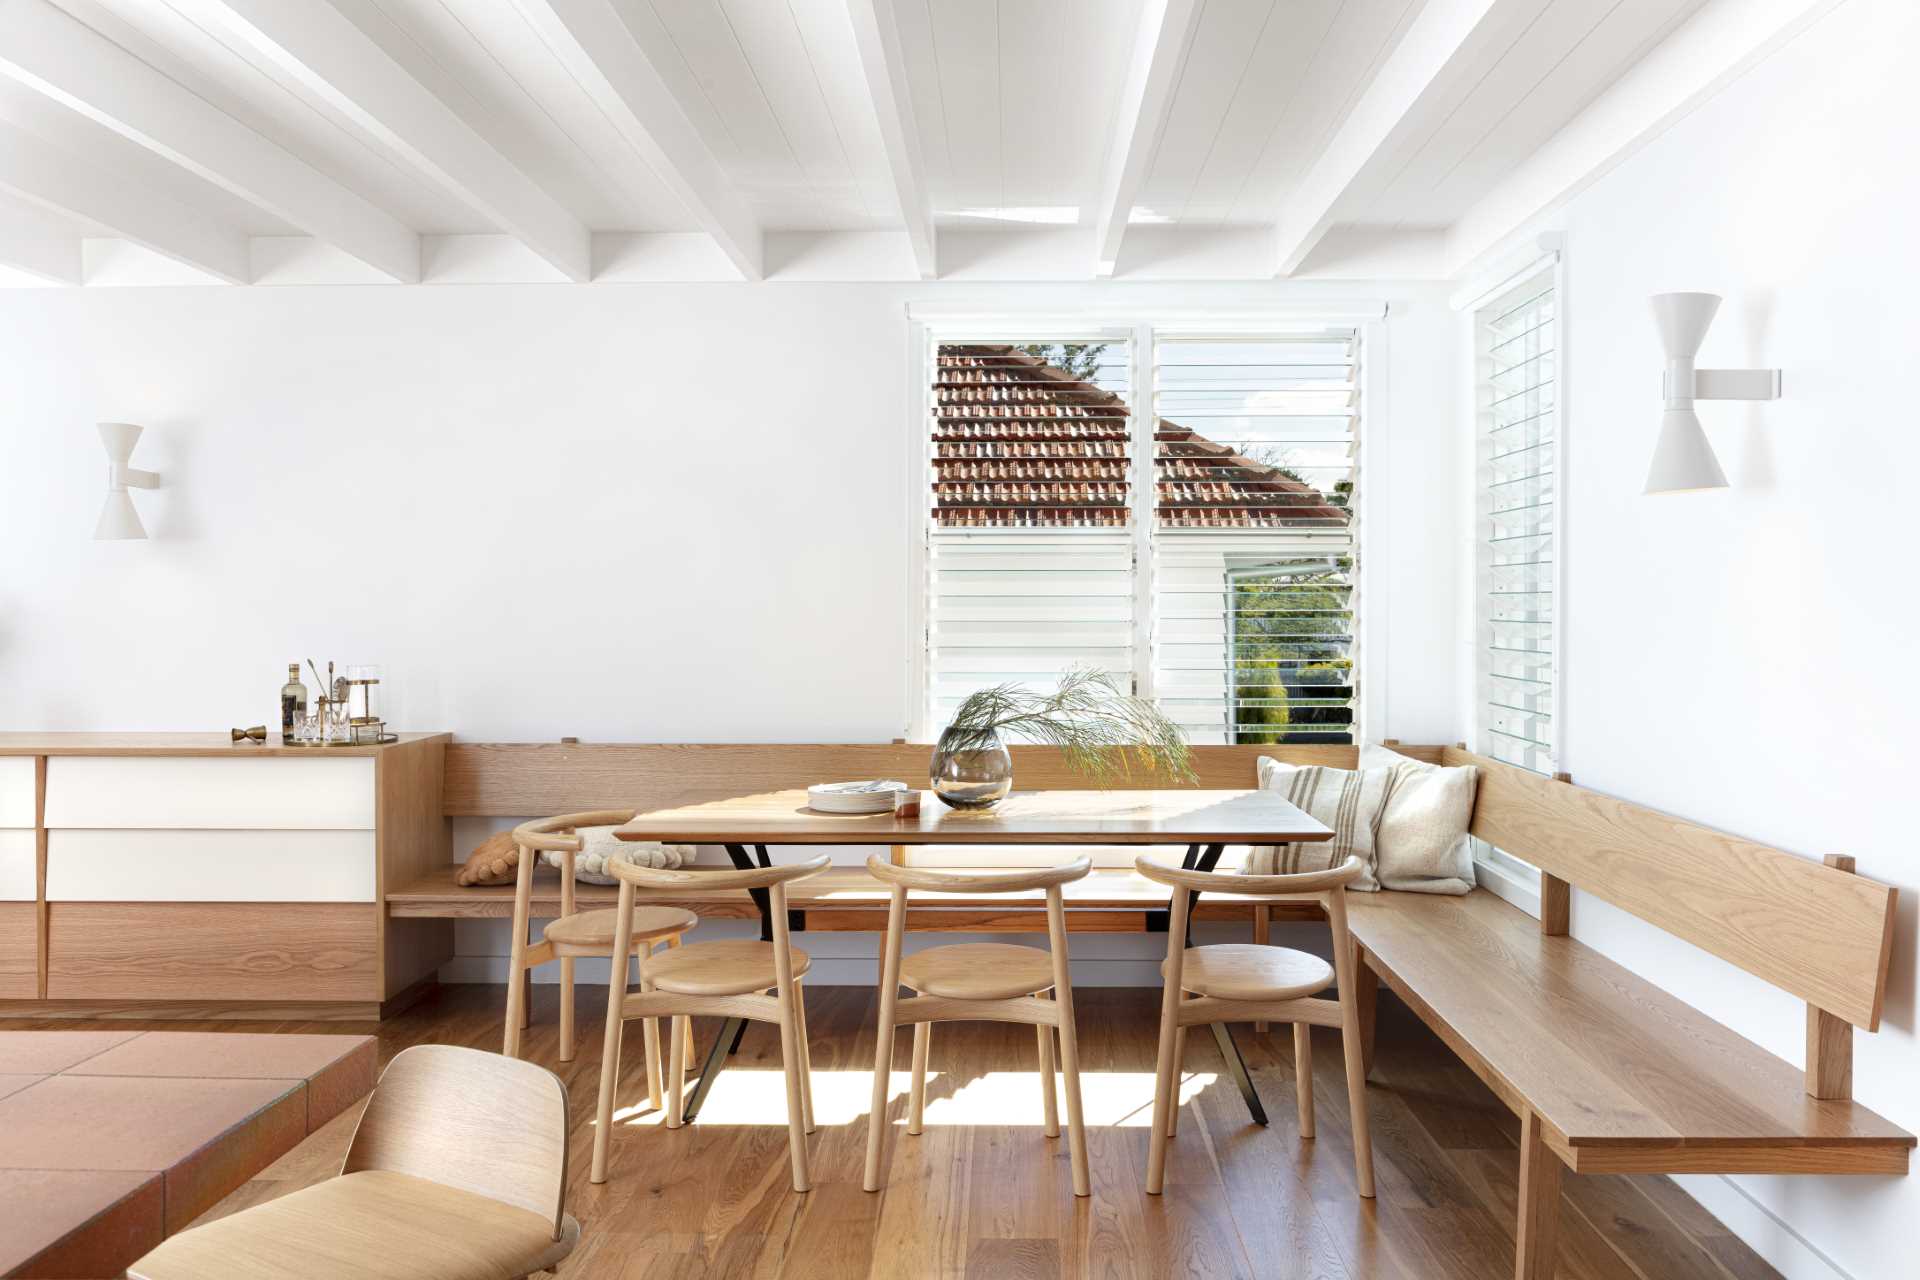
<point x="171" y="874"/>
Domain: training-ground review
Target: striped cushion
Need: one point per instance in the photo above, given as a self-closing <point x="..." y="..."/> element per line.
<point x="1348" y="800"/>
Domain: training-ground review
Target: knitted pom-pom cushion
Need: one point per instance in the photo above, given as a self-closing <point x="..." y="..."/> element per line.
<point x="590" y="864"/>
<point x="496" y="860"/>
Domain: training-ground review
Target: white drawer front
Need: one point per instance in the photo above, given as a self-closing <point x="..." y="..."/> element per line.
<point x="185" y="791"/>
<point x="209" y="866"/>
<point x="16" y="866"/>
<point x="16" y="791"/>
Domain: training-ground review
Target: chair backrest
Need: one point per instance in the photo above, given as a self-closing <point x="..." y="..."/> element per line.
<point x="1293" y="883"/>
<point x="669" y="880"/>
<point x="938" y="881"/>
<point x="557" y="833"/>
<point x="1816" y="931"/>
<point x="484" y="1123"/>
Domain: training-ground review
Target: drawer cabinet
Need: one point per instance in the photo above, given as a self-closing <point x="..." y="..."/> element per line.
<point x="273" y="792"/>
<point x="204" y="878"/>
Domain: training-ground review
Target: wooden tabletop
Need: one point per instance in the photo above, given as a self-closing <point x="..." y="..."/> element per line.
<point x="1025" y="817"/>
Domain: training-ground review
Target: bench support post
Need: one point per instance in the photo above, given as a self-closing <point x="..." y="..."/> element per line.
<point x="1830" y="1039"/>
<point x="1366" y="1004"/>
<point x="1538" y="1236"/>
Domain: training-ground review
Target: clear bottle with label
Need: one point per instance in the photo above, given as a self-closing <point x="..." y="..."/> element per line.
<point x="293" y="703"/>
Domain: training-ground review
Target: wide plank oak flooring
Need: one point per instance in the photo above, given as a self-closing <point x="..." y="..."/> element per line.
<point x="982" y="1193"/>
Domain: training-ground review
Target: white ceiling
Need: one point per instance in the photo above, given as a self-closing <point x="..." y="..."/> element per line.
<point x="610" y="139"/>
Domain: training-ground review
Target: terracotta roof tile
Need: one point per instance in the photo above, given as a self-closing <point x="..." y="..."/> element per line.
<point x="1021" y="443"/>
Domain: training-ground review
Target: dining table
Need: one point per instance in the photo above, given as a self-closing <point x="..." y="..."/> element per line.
<point x="1202" y="821"/>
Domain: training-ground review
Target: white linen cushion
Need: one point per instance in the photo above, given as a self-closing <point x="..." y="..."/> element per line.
<point x="1348" y="800"/>
<point x="602" y="846"/>
<point x="1422" y="841"/>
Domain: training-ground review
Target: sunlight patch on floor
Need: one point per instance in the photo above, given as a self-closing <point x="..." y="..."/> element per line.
<point x="743" y="1096"/>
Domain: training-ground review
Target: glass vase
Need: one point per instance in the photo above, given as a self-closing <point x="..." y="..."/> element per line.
<point x="971" y="770"/>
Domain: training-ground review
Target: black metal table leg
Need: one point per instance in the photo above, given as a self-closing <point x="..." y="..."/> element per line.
<point x="1207" y="859"/>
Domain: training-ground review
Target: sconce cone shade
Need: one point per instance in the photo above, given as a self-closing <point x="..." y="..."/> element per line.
<point x="1683" y="461"/>
<point x="119" y="439"/>
<point x="118" y="519"/>
<point x="1683" y="319"/>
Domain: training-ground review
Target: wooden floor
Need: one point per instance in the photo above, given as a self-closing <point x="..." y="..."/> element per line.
<point x="983" y="1193"/>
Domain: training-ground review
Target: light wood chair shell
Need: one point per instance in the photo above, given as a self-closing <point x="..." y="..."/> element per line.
<point x="575" y="934"/>
<point x="458" y="1168"/>
<point x="1240" y="983"/>
<point x="977" y="980"/>
<point x="729" y="979"/>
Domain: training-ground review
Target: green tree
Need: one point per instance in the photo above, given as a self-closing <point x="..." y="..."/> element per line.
<point x="1290" y="647"/>
<point x="1078" y="359"/>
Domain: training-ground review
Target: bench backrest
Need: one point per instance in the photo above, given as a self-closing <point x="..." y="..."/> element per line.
<point x="520" y="780"/>
<point x="1817" y="931"/>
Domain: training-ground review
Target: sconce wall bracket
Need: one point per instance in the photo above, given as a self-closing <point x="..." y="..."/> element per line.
<point x="1725" y="384"/>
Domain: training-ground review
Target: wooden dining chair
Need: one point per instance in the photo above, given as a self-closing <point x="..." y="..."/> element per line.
<point x="575" y="933"/>
<point x="994" y="981"/>
<point x="1238" y="982"/>
<point x="729" y="979"/>
<point x="458" y="1169"/>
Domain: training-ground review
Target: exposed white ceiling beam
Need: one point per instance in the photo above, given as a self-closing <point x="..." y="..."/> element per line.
<point x="1714" y="46"/>
<point x="877" y="38"/>
<point x="339" y="63"/>
<point x="47" y="176"/>
<point x="1434" y="59"/>
<point x="599" y="50"/>
<point x="1159" y="49"/>
<point x="44" y="48"/>
<point x="38" y="243"/>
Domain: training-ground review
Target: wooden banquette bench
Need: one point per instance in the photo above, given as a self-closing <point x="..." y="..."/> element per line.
<point x="1607" y="1072"/>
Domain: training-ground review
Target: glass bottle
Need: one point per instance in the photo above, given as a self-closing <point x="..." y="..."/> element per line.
<point x="293" y="703"/>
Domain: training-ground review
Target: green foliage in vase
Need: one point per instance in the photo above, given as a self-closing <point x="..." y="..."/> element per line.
<point x="1103" y="732"/>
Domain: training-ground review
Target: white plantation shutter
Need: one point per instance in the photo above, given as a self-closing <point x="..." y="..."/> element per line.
<point x="1254" y="543"/>
<point x="1029" y="553"/>
<point x="1517" y="447"/>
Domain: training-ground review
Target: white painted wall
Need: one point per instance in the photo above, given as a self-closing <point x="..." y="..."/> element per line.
<point x="1745" y="658"/>
<point x="664" y="474"/>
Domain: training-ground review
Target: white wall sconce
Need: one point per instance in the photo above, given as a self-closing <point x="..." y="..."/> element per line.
<point x="1683" y="461"/>
<point x="118" y="519"/>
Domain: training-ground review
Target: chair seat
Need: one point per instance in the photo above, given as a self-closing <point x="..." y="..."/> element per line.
<point x="1250" y="971"/>
<point x="376" y="1224"/>
<point x="717" y="968"/>
<point x="978" y="971"/>
<point x="594" y="929"/>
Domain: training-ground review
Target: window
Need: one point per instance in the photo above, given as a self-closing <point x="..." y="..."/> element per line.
<point x="1253" y="537"/>
<point x="1225" y="588"/>
<point x="1516" y="437"/>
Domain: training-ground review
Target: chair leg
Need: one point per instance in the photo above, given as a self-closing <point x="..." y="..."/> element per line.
<point x="616" y="1025"/>
<point x="650" y="1041"/>
<point x="1303" y="1075"/>
<point x="790" y="1067"/>
<point x="1350" y="1040"/>
<point x="692" y="1059"/>
<point x="566" y="1009"/>
<point x="1076" y="1125"/>
<point x="1261" y="916"/>
<point x="917" y="1103"/>
<point x="1165" y="1096"/>
<point x="676" y="1074"/>
<point x="884" y="1036"/>
<point x="806" y="1055"/>
<point x="517" y="993"/>
<point x="1179" y="1070"/>
<point x="1048" y="1099"/>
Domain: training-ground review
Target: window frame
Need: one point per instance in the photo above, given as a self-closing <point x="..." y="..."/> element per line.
<point x="1498" y="871"/>
<point x="930" y="325"/>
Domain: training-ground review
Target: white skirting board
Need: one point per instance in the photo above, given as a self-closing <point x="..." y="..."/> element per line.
<point x="851" y="959"/>
<point x="1784" y="1249"/>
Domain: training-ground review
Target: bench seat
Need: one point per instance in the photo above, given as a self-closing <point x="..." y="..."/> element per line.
<point x="1109" y="900"/>
<point x="1624" y="1077"/>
